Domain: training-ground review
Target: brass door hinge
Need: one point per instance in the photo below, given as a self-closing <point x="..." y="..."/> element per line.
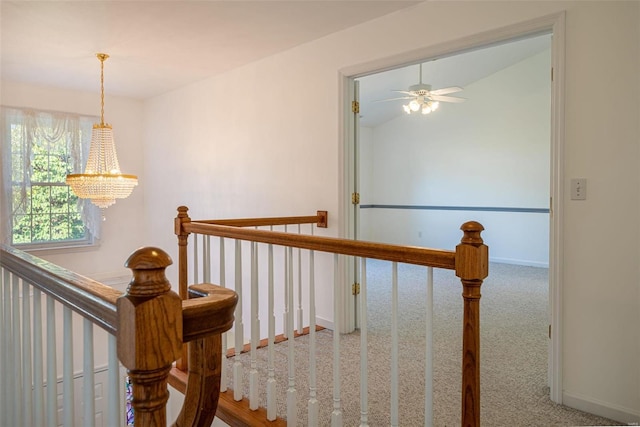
<point x="355" y="198"/>
<point x="355" y="289"/>
<point x="355" y="107"/>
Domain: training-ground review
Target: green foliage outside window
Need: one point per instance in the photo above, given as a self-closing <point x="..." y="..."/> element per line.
<point x="49" y="213"/>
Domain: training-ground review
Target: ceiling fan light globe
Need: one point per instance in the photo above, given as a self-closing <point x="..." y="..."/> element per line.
<point x="406" y="109"/>
<point x="435" y="105"/>
<point x="426" y="109"/>
<point x="414" y="105"/>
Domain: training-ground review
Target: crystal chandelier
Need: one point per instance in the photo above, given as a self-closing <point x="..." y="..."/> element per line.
<point x="102" y="182"/>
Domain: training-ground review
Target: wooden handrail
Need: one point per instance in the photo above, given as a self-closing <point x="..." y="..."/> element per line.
<point x="320" y="220"/>
<point x="151" y="323"/>
<point x="406" y="254"/>
<point x="91" y="299"/>
<point x="204" y="333"/>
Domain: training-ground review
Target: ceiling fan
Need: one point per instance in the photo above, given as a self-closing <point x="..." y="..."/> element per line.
<point x="424" y="99"/>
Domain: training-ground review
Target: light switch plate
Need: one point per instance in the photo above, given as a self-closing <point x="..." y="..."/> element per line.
<point x="579" y="189"/>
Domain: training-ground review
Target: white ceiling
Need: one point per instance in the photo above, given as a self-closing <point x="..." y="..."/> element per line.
<point x="158" y="46"/>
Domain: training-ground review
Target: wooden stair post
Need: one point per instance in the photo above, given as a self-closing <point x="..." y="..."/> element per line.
<point x="149" y="319"/>
<point x="472" y="267"/>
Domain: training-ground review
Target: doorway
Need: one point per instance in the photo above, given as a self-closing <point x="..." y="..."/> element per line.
<point x="412" y="210"/>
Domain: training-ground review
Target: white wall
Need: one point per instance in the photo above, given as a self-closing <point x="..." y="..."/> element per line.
<point x="490" y="151"/>
<point x="266" y="139"/>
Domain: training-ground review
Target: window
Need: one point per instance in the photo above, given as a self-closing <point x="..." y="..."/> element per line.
<point x="39" y="149"/>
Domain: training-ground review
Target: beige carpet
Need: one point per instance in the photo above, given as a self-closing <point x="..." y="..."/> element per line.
<point x="514" y="341"/>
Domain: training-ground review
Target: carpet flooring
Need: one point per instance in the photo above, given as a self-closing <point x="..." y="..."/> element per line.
<point x="514" y="340"/>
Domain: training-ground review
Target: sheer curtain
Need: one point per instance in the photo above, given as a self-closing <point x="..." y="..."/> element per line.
<point x="27" y="125"/>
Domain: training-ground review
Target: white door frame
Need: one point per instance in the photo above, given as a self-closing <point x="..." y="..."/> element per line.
<point x="554" y="24"/>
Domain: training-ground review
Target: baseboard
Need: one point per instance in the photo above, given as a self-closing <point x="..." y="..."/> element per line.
<point x="327" y="324"/>
<point x="603" y="409"/>
<point x="524" y="262"/>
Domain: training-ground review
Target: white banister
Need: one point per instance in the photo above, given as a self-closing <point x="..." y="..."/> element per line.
<point x="67" y="367"/>
<point x="4" y="360"/>
<point x="206" y="259"/>
<point x="287" y="307"/>
<point x="52" y="365"/>
<point x="225" y="336"/>
<point x="255" y="331"/>
<point x="238" y="328"/>
<point x="17" y="353"/>
<point x="313" y="405"/>
<point x="300" y="311"/>
<point x="336" y="415"/>
<point x="271" y="379"/>
<point x="38" y="358"/>
<point x="428" y="381"/>
<point x="394" y="346"/>
<point x="196" y="256"/>
<point x="115" y="416"/>
<point x="88" y="377"/>
<point x="292" y="393"/>
<point x="27" y="373"/>
<point x="364" y="366"/>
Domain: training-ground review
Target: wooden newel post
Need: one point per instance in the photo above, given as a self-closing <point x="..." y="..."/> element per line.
<point x="472" y="267"/>
<point x="149" y="333"/>
<point x="183" y="240"/>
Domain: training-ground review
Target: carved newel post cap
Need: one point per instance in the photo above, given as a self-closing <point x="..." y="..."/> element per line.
<point x="148" y="265"/>
<point x="472" y="255"/>
<point x="149" y="314"/>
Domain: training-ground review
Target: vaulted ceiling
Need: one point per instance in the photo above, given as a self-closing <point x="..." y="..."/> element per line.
<point x="158" y="46"/>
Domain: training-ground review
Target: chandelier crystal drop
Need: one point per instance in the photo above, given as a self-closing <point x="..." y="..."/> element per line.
<point x="102" y="182"/>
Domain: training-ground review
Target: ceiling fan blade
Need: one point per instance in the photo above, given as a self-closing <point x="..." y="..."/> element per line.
<point x="447" y="98"/>
<point x="393" y="99"/>
<point x="405" y="92"/>
<point x="446" y="90"/>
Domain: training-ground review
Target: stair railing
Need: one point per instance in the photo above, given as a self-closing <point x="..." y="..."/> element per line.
<point x="145" y="329"/>
<point x="469" y="261"/>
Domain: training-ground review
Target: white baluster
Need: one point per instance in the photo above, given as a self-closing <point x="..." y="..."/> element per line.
<point x="292" y="393"/>
<point x="336" y="415"/>
<point x="196" y="254"/>
<point x="271" y="380"/>
<point x="239" y="327"/>
<point x="285" y="315"/>
<point x="364" y="380"/>
<point x="38" y="357"/>
<point x="394" y="346"/>
<point x="300" y="311"/>
<point x="313" y="406"/>
<point x="115" y="414"/>
<point x="9" y="397"/>
<point x="255" y="330"/>
<point x="17" y="353"/>
<point x="206" y="259"/>
<point x="52" y="366"/>
<point x="223" y="283"/>
<point x="88" y="380"/>
<point x="4" y="345"/>
<point x="27" y="375"/>
<point x="67" y="367"/>
<point x="428" y="382"/>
